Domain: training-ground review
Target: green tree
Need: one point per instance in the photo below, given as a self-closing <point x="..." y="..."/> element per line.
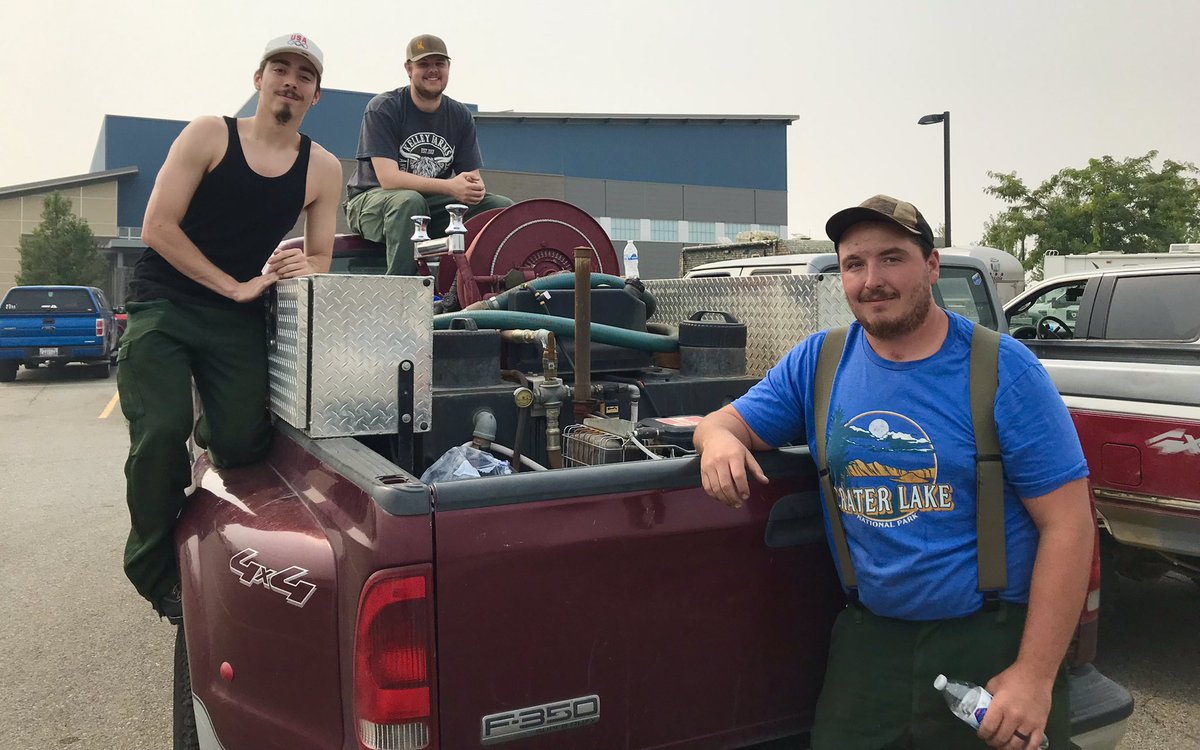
<point x="1125" y="206"/>
<point x="62" y="250"/>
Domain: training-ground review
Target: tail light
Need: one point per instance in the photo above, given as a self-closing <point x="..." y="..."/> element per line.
<point x="99" y="326"/>
<point x="394" y="689"/>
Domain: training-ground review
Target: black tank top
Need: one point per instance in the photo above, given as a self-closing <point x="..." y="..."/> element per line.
<point x="236" y="218"/>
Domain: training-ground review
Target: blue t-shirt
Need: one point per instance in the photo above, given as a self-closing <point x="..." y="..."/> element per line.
<point x="902" y="462"/>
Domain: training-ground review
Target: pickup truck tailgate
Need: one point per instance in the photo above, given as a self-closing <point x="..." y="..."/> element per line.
<point x="555" y="591"/>
<point x="48" y="330"/>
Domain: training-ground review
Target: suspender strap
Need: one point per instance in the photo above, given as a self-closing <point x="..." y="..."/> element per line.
<point x="827" y="364"/>
<point x="989" y="471"/>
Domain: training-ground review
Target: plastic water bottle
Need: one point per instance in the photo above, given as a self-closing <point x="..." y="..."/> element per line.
<point x="970" y="702"/>
<point x="630" y="256"/>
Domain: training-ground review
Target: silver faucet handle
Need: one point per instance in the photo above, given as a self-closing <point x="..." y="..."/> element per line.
<point x="456" y="211"/>
<point x="419" y="228"/>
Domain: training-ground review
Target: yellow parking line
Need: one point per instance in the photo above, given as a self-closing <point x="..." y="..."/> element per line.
<point x="108" y="409"/>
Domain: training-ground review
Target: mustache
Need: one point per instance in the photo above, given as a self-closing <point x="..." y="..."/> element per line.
<point x="877" y="296"/>
<point x="288" y="94"/>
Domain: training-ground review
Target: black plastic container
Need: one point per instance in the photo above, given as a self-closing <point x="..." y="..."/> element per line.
<point x="712" y="348"/>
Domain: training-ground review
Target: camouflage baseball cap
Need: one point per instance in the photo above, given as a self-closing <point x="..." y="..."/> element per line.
<point x="880" y="208"/>
<point x="424" y="46"/>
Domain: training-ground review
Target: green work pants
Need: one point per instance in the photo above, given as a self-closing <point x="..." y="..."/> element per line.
<point x="386" y="216"/>
<point x="165" y="347"/>
<point x="878" y="692"/>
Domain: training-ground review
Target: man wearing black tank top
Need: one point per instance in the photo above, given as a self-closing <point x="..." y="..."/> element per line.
<point x="226" y="195"/>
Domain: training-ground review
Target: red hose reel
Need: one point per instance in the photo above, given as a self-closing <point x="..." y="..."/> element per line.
<point x="534" y="238"/>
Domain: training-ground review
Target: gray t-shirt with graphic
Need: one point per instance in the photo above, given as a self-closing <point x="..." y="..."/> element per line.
<point x="428" y="144"/>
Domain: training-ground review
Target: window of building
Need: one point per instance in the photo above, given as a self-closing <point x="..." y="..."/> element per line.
<point x="702" y="232"/>
<point x="732" y="230"/>
<point x="664" y="231"/>
<point x="626" y="229"/>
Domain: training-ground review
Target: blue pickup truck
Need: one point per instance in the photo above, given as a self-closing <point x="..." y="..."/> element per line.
<point x="56" y="325"/>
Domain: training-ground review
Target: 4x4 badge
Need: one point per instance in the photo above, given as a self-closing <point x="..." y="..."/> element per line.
<point x="1175" y="441"/>
<point x="289" y="582"/>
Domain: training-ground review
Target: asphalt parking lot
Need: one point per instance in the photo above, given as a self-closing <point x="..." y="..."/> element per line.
<point x="84" y="663"/>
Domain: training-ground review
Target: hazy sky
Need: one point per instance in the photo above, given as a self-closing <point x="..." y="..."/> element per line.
<point x="1032" y="86"/>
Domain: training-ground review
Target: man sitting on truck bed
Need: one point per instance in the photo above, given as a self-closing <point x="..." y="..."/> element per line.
<point x="902" y="456"/>
<point x="227" y="194"/>
<point x="417" y="154"/>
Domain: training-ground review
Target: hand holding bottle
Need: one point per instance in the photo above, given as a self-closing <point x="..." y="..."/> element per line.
<point x="970" y="702"/>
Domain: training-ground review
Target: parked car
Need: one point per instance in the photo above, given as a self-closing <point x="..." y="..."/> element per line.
<point x="1123" y="348"/>
<point x="54" y="326"/>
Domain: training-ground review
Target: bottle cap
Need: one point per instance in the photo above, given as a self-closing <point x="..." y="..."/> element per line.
<point x="940" y="681"/>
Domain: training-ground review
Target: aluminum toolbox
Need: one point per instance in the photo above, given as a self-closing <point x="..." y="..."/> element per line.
<point x="778" y="310"/>
<point x="339" y="344"/>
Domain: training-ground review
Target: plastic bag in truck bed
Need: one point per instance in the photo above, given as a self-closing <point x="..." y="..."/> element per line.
<point x="465" y="462"/>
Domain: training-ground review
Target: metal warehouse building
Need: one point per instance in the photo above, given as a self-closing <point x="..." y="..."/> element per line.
<point x="664" y="181"/>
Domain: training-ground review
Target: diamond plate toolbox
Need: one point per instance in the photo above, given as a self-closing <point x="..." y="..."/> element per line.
<point x="778" y="310"/>
<point x="339" y="344"/>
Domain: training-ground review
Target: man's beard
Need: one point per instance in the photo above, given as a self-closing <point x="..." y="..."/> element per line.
<point x="910" y="321"/>
<point x="283" y="115"/>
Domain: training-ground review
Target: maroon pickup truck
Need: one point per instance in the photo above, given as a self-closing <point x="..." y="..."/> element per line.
<point x="593" y="598"/>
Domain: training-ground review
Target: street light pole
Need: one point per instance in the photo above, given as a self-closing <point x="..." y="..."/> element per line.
<point x="943" y="118"/>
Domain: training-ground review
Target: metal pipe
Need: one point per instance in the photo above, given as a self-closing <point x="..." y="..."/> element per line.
<point x="553" y="436"/>
<point x="583" y="326"/>
<point x="508" y="453"/>
<point x="511" y="453"/>
<point x="549" y="354"/>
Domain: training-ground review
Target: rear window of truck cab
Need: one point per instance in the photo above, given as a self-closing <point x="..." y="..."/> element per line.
<point x="1155" y="308"/>
<point x="45" y="300"/>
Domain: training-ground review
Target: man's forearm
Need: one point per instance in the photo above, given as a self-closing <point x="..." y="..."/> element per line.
<point x="409" y="181"/>
<point x="169" y="241"/>
<point x="721" y="420"/>
<point x="1060" y="578"/>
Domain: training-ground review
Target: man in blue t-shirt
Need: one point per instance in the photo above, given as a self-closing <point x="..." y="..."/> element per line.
<point x="901" y="457"/>
<point x="417" y="154"/>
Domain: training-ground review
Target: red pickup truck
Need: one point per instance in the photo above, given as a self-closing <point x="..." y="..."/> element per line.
<point x="334" y="600"/>
<point x="1123" y="348"/>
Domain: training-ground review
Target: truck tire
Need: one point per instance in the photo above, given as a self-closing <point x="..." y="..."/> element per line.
<point x="8" y="370"/>
<point x="185" y="716"/>
<point x="101" y="370"/>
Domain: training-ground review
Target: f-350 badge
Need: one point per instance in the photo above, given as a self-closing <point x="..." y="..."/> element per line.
<point x="548" y="717"/>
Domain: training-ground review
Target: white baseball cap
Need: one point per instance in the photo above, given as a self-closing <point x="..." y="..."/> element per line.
<point x="297" y="44"/>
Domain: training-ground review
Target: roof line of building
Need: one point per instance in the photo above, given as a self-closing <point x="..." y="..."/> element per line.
<point x="64" y="182"/>
<point x="513" y="115"/>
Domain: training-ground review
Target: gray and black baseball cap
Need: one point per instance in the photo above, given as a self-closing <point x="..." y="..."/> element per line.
<point x="880" y="208"/>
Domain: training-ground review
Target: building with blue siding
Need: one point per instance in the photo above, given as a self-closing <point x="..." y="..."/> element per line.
<point x="664" y="181"/>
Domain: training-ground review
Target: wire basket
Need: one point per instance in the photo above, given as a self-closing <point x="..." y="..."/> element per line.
<point x="587" y="446"/>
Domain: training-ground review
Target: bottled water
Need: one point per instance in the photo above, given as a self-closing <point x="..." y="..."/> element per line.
<point x="970" y="702"/>
<point x="630" y="256"/>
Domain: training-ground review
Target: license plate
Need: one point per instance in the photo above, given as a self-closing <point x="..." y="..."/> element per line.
<point x="48" y="351"/>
